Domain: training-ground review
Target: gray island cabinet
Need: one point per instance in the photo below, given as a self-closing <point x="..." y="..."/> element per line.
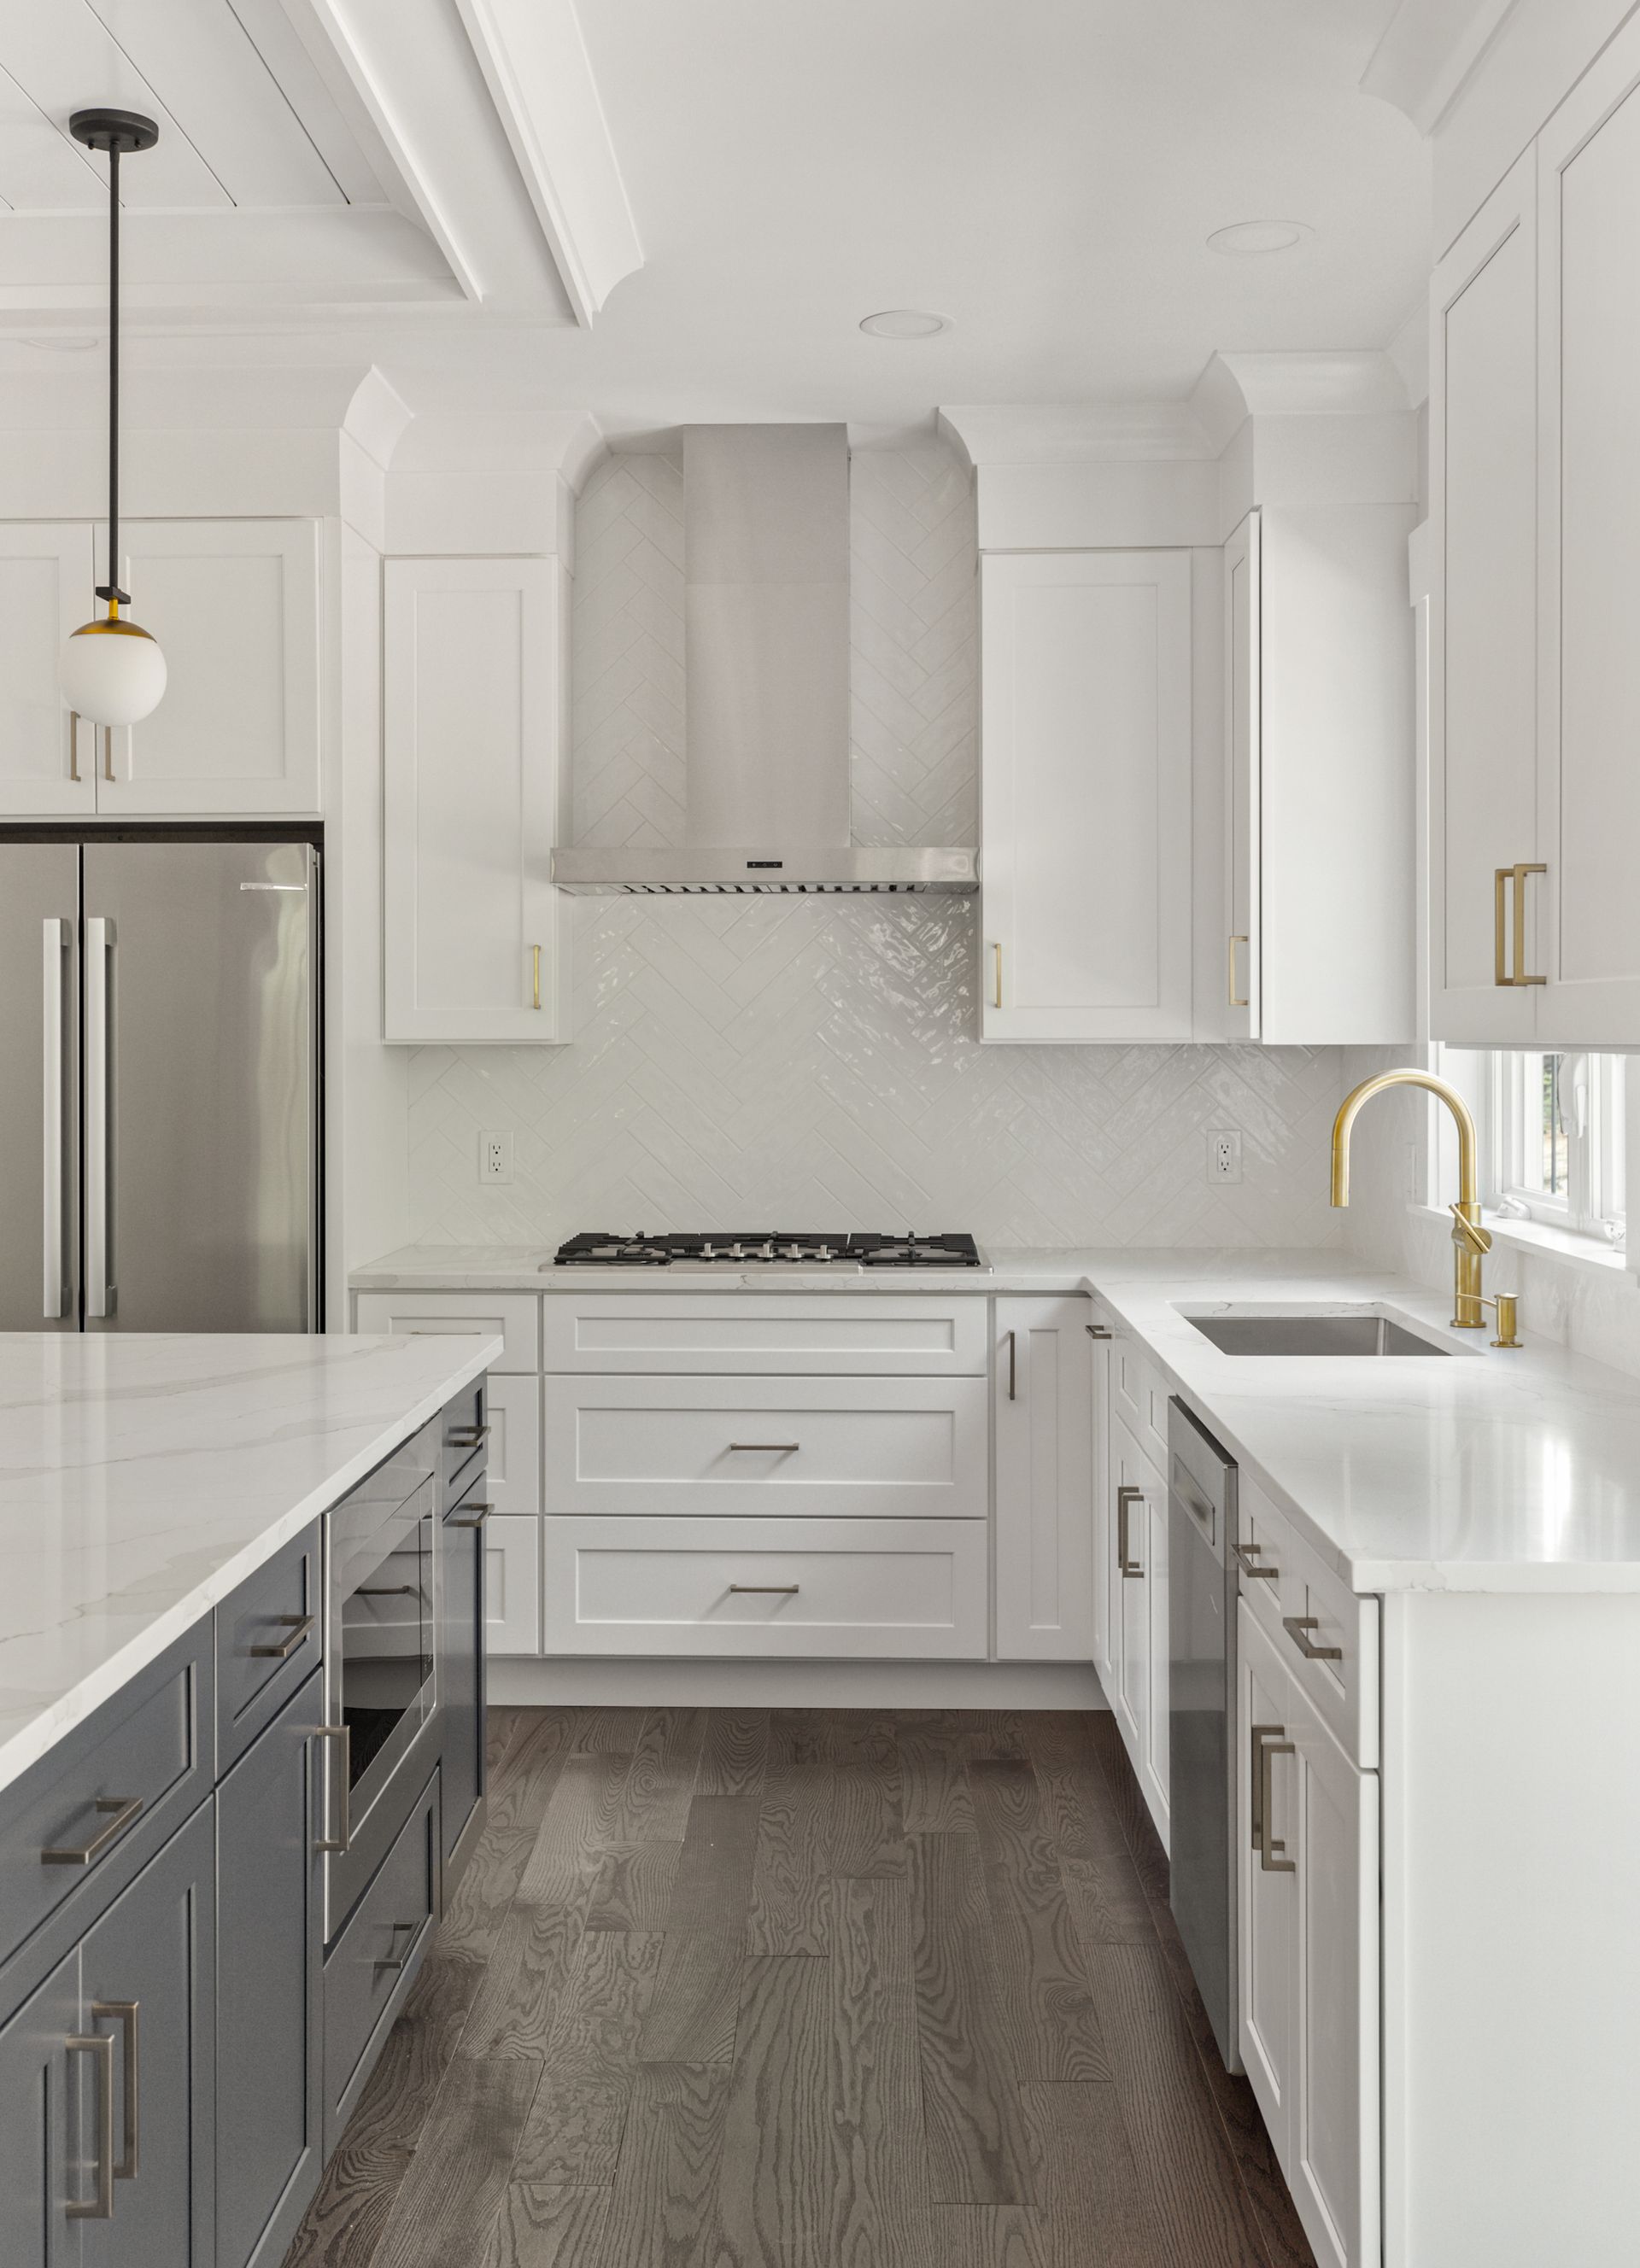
<point x="180" y="2040"/>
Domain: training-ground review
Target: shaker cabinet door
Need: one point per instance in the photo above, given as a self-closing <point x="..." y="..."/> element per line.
<point x="472" y="754"/>
<point x="45" y="2093"/>
<point x="46" y="592"/>
<point x="1043" y="1531"/>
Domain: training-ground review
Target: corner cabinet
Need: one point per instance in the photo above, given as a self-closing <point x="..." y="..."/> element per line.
<point x="1535" y="685"/>
<point x="1086" y="796"/>
<point x="473" y="763"/>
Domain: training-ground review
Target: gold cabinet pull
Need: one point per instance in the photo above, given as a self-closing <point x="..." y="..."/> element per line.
<point x="1126" y="1497"/>
<point x="1298" y="1628"/>
<point x="535" y="956"/>
<point x="99" y="2047"/>
<point x="1235" y="1001"/>
<point x="1268" y="1742"/>
<point x="298" y="1625"/>
<point x="996" y="977"/>
<point x="125" y="2013"/>
<point x="124" y="1809"/>
<point x="1510" y="970"/>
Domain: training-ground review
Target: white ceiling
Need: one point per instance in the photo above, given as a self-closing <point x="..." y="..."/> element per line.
<point x="1045" y="172"/>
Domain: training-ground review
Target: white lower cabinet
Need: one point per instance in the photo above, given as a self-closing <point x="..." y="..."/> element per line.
<point x="1135" y="1587"/>
<point x="513" y="1467"/>
<point x="512" y="1584"/>
<point x="1307" y="1845"/>
<point x="1044" y="1480"/>
<point x="766" y="1589"/>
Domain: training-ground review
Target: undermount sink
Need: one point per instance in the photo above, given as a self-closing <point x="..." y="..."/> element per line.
<point x="1329" y="1332"/>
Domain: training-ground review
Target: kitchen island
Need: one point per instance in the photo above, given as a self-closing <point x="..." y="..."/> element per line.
<point x="238" y="1767"/>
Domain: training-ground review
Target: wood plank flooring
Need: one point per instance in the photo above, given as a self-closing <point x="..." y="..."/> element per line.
<point x="806" y="1989"/>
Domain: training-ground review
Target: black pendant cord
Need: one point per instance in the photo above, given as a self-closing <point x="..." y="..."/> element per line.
<point x="111" y="590"/>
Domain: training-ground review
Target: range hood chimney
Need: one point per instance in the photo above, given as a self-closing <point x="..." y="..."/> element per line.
<point x="766" y="527"/>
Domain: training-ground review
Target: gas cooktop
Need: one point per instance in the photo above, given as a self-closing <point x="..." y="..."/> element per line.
<point x="719" y="1249"/>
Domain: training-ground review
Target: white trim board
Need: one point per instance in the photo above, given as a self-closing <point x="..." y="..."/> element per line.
<point x="517" y="1683"/>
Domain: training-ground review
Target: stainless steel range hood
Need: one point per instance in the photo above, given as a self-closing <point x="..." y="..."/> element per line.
<point x="766" y="517"/>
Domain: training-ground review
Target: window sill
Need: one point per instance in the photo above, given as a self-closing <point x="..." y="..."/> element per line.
<point x="1590" y="1252"/>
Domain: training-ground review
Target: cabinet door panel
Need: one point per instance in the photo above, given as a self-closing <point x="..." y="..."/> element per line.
<point x="1044" y="1534"/>
<point x="155" y="1948"/>
<point x="1589" y="469"/>
<point x="1482" y="665"/>
<point x="1268" y="1923"/>
<point x="1086" y="796"/>
<point x="41" y="2122"/>
<point x="1138" y="1518"/>
<point x="235" y="604"/>
<point x="513" y="1585"/>
<point x="472" y="751"/>
<point x="1243" y="656"/>
<point x="46" y="581"/>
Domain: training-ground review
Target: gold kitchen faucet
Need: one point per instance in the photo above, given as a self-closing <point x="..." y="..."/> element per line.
<point x="1470" y="1241"/>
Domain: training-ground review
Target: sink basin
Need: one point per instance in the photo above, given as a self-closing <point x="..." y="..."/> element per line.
<point x="1329" y="1333"/>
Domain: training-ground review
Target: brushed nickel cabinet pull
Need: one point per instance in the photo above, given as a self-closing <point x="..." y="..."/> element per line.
<point x="1126" y="1497"/>
<point x="124" y="2012"/>
<point x="1298" y="1628"/>
<point x="1268" y="1742"/>
<point x="74" y="745"/>
<point x="1013" y="1365"/>
<point x="108" y="754"/>
<point x="124" y="1809"/>
<point x="467" y="1437"/>
<point x="996" y="974"/>
<point x="343" y="1734"/>
<point x="398" y="1961"/>
<point x="1097" y="1331"/>
<point x="99" y="2047"/>
<point x="480" y="1512"/>
<point x="769" y="1448"/>
<point x="769" y="1590"/>
<point x="1245" y="1555"/>
<point x="299" y="1626"/>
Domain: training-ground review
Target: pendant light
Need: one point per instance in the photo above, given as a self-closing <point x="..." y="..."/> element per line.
<point x="112" y="672"/>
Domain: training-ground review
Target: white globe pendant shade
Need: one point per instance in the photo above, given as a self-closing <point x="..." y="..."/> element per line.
<point x="112" y="673"/>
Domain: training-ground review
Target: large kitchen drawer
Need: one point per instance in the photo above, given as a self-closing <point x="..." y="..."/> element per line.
<point x="513" y="1585"/>
<point x="370" y="1967"/>
<point x="844" y="1449"/>
<point x="515" y="1315"/>
<point x="77" y="1826"/>
<point x="871" y="1334"/>
<point x="1326" y="1634"/>
<point x="513" y="1450"/>
<point x="1139" y="1393"/>
<point x="901" y="1589"/>
<point x="270" y="1637"/>
<point x="463" y="1438"/>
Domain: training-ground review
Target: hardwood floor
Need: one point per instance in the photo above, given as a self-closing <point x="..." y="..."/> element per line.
<point x="806" y="1989"/>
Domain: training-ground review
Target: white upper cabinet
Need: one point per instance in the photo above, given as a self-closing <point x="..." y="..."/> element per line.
<point x="45" y="583"/>
<point x="473" y="740"/>
<point x="1086" y="796"/>
<point x="235" y="604"/>
<point x="1483" y="666"/>
<point x="1536" y="671"/>
<point x="1320" y="841"/>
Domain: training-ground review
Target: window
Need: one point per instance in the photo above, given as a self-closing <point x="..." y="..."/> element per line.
<point x="1553" y="1127"/>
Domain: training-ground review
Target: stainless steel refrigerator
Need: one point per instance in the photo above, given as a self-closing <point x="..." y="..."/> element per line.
<point x="160" y="1088"/>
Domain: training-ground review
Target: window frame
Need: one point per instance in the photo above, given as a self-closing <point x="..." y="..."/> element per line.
<point x="1594" y="1203"/>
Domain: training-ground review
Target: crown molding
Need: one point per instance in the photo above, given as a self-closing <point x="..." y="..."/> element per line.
<point x="1075" y="433"/>
<point x="377" y="418"/>
<point x="1236" y="387"/>
<point x="472" y="440"/>
<point x="1429" y="53"/>
<point x="536" y="65"/>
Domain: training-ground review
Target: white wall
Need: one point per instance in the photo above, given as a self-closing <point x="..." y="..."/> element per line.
<point x="812" y="1063"/>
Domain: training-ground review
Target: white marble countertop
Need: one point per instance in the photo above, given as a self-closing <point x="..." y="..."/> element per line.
<point x="142" y="1479"/>
<point x="1490" y="1470"/>
<point x="518" y="1268"/>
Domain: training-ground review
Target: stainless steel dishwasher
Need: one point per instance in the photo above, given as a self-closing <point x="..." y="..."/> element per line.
<point x="1202" y="1712"/>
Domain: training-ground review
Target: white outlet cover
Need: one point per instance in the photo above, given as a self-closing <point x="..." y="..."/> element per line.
<point x="1224" y="1156"/>
<point x="495" y="1157"/>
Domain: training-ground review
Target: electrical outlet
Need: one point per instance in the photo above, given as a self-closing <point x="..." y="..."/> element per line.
<point x="1224" y="1155"/>
<point x="495" y="1157"/>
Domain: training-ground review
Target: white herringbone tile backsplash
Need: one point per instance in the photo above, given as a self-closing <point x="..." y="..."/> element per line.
<point x="812" y="1063"/>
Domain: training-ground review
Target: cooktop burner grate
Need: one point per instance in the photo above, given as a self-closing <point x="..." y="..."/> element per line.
<point x="721" y="1248"/>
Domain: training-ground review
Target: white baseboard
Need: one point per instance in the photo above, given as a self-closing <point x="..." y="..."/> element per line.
<point x="517" y="1683"/>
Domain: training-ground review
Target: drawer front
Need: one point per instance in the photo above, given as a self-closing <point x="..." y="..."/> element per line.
<point x="422" y="1315"/>
<point x="108" y="1796"/>
<point x="463" y="1439"/>
<point x="1327" y="1637"/>
<point x="867" y="1334"/>
<point x="766" y="1589"/>
<point x="1139" y="1393"/>
<point x="270" y="1637"/>
<point x="370" y="1969"/>
<point x="511" y="1585"/>
<point x="861" y="1449"/>
<point x="513" y="1451"/>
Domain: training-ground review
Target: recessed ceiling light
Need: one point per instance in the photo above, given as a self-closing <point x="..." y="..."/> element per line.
<point x="60" y="346"/>
<point x="1253" y="236"/>
<point x="906" y="323"/>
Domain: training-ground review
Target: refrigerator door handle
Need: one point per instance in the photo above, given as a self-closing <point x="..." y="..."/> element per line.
<point x="99" y="952"/>
<point x="55" y="944"/>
